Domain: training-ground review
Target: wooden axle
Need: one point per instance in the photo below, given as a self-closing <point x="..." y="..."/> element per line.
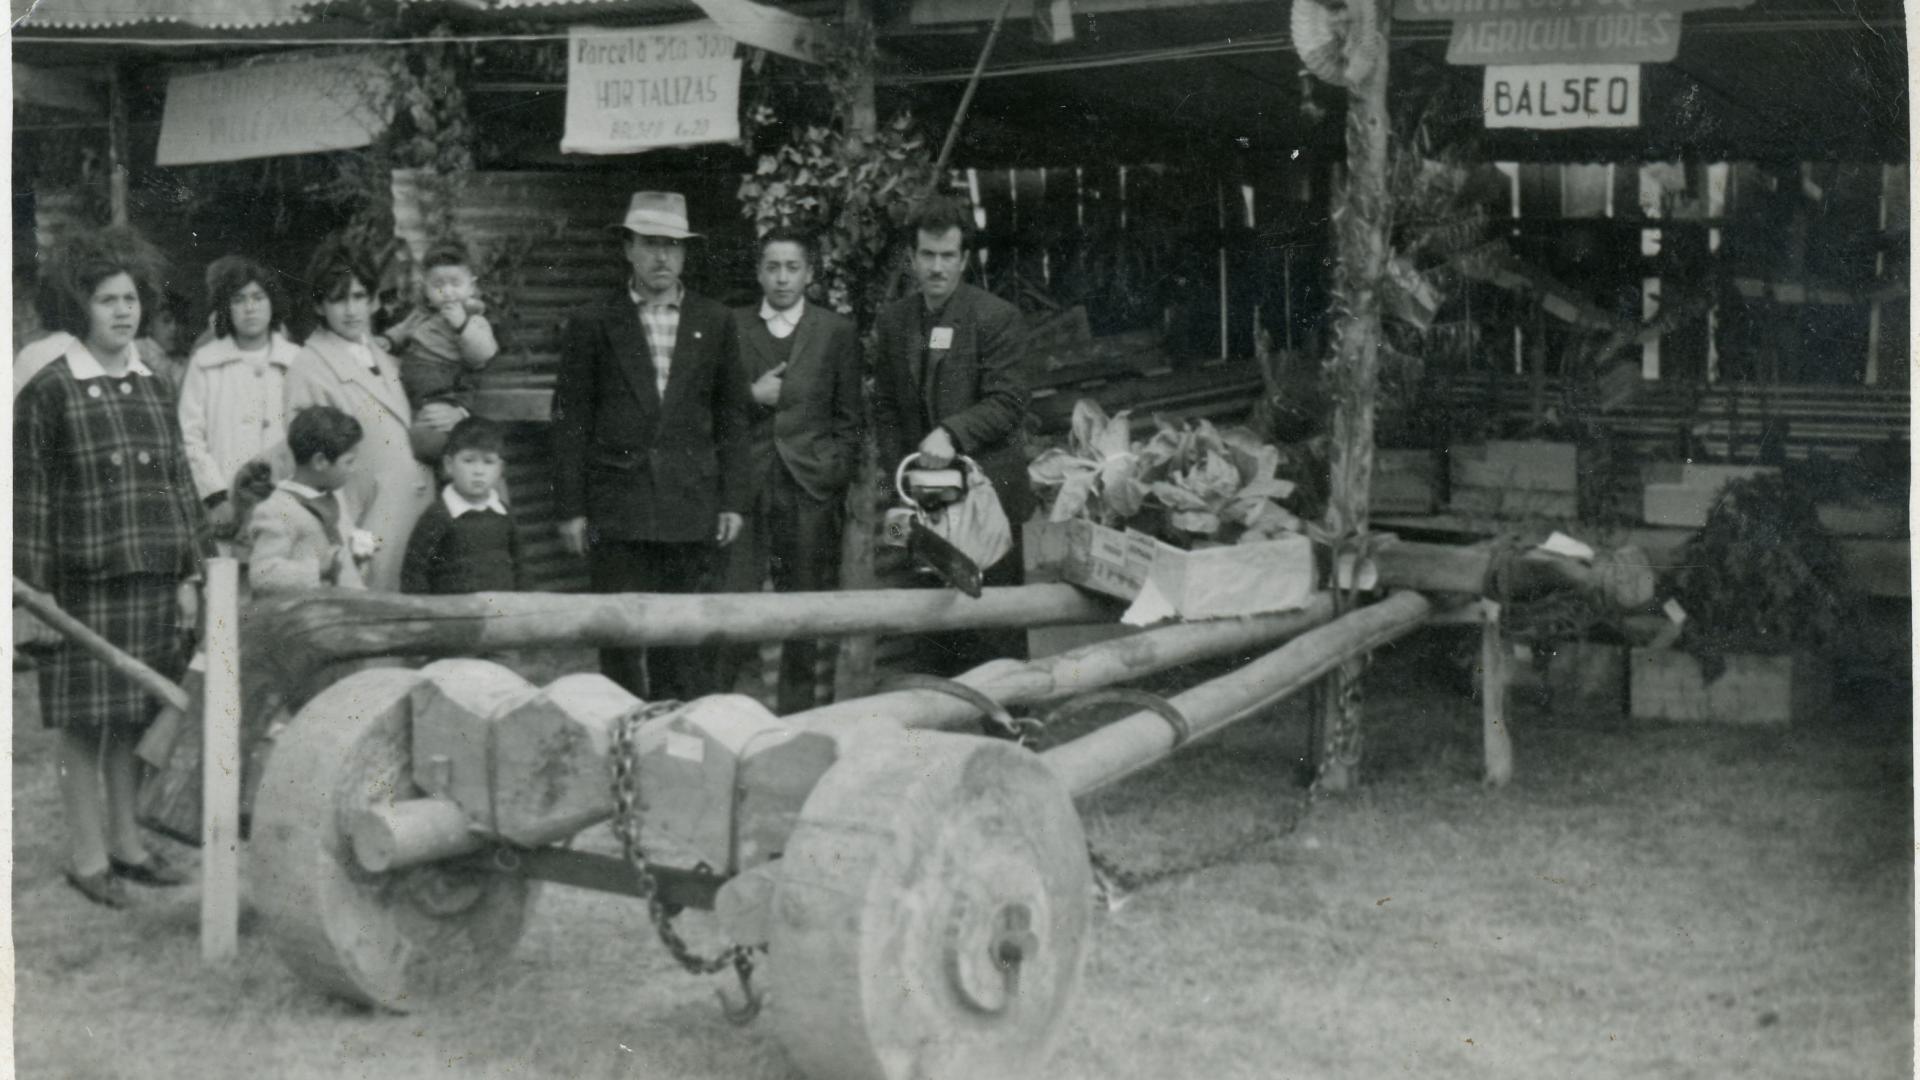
<point x="1130" y="744"/>
<point x="394" y="836"/>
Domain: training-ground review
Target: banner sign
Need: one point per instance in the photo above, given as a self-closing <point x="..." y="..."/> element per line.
<point x="1560" y="31"/>
<point x="298" y="106"/>
<point x="1559" y="96"/>
<point x="1650" y="37"/>
<point x="641" y="89"/>
<point x="762" y="26"/>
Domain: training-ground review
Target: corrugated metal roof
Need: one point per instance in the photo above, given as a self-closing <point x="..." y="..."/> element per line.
<point x="211" y="14"/>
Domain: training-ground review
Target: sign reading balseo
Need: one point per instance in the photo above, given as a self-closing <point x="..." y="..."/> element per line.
<point x="1554" y="96"/>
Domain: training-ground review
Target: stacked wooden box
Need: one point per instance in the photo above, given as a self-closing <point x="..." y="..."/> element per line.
<point x="1681" y="495"/>
<point x="1519" y="479"/>
<point x="1667" y="684"/>
<point x="1405" y="482"/>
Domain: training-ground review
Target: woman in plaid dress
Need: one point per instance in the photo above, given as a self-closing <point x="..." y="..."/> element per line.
<point x="106" y="520"/>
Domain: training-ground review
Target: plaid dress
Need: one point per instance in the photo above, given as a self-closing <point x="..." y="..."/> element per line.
<point x="106" y="519"/>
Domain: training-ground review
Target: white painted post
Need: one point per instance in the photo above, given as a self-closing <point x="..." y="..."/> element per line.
<point x="220" y="764"/>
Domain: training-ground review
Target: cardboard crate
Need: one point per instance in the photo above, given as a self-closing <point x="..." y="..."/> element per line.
<point x="1667" y="684"/>
<point x="1215" y="582"/>
<point x="1405" y="482"/>
<point x="1680" y="496"/>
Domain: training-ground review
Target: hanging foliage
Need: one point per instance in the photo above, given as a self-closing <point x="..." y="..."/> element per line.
<point x="852" y="191"/>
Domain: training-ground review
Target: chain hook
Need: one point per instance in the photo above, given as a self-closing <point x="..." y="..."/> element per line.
<point x="748" y="1009"/>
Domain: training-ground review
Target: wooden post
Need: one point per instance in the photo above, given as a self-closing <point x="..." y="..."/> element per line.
<point x="116" y="145"/>
<point x="1363" y="252"/>
<point x="1496" y="742"/>
<point x="220" y="810"/>
<point x="853" y="660"/>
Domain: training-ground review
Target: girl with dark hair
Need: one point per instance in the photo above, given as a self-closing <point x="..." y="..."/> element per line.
<point x="342" y="367"/>
<point x="233" y="405"/>
<point x="105" y="520"/>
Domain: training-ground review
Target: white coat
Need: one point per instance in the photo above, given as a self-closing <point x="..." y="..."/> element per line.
<point x="232" y="411"/>
<point x="389" y="489"/>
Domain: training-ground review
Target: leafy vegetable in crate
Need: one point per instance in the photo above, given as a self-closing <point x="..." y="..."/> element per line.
<point x="1190" y="483"/>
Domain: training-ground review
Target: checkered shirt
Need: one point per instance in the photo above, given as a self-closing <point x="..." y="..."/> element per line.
<point x="662" y="321"/>
<point x="101" y="487"/>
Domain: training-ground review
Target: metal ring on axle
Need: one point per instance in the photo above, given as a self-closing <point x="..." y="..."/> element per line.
<point x="989" y="708"/>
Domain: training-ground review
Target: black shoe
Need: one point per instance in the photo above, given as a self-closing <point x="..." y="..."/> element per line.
<point x="101" y="888"/>
<point x="156" y="871"/>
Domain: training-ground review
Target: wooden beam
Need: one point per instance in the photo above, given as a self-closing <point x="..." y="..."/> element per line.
<point x="1076" y="671"/>
<point x="1133" y="743"/>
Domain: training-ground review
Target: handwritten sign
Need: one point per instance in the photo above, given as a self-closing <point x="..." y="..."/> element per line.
<point x="1559" y="96"/>
<point x="632" y="90"/>
<point x="298" y="106"/>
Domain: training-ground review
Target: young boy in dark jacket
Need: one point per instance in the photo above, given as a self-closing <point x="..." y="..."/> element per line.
<point x="466" y="541"/>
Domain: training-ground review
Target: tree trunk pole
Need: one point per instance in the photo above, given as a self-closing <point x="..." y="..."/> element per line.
<point x="116" y="145"/>
<point x="1362" y="232"/>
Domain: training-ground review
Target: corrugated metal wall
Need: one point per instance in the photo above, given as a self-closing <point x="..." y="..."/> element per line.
<point x="542" y="251"/>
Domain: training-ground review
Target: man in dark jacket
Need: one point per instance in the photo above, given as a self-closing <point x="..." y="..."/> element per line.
<point x="650" y="439"/>
<point x="950" y="379"/>
<point x="804" y="363"/>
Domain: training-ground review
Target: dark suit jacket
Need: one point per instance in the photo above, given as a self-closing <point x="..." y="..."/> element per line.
<point x="636" y="467"/>
<point x="977" y="389"/>
<point x="815" y="430"/>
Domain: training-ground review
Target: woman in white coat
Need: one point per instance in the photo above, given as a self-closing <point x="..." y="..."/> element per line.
<point x="233" y="404"/>
<point x="340" y="366"/>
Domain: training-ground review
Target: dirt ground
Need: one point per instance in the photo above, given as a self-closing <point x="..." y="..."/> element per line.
<point x="1642" y="901"/>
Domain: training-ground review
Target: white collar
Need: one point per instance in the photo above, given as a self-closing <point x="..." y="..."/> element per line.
<point x="226" y="351"/>
<point x="295" y="487"/>
<point x="81" y="361"/>
<point x="791" y="316"/>
<point x="457" y="503"/>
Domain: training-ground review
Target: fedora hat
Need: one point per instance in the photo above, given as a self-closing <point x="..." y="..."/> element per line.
<point x="657" y="213"/>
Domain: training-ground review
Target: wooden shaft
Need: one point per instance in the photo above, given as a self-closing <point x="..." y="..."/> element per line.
<point x="966" y="96"/>
<point x="105" y="651"/>
<point x="1076" y="671"/>
<point x="220" y="768"/>
<point x="1127" y="745"/>
<point x="306" y="629"/>
<point x="394" y="836"/>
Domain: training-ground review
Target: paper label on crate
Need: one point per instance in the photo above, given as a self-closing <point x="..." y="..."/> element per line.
<point x="1676" y="613"/>
<point x="1562" y="544"/>
<point x="686" y="747"/>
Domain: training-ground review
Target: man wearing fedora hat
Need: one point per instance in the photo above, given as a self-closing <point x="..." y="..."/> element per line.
<point x="650" y="422"/>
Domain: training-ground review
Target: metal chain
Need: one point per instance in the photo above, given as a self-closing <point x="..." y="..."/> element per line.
<point x="626" y="770"/>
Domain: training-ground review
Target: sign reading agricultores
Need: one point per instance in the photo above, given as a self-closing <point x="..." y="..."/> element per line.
<point x="1555" y="96"/>
<point x="296" y="106"/>
<point x="630" y="90"/>
<point x="1560" y="31"/>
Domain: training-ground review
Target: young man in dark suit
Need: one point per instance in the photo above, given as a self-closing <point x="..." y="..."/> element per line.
<point x="950" y="379"/>
<point x="804" y="363"/>
<point x="650" y="439"/>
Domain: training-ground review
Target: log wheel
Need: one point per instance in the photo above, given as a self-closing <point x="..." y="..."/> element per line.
<point x="393" y="939"/>
<point x="930" y="919"/>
